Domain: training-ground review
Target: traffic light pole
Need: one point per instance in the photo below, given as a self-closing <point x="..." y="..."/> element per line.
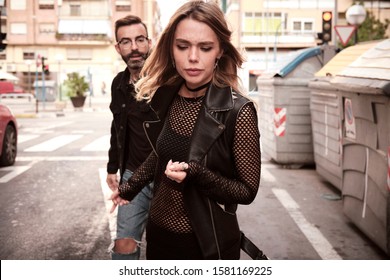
<point x="43" y="83"/>
<point x="335" y="21"/>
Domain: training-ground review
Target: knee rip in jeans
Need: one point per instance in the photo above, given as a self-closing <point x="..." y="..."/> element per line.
<point x="122" y="245"/>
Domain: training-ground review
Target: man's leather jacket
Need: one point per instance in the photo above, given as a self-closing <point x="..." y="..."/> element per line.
<point x="121" y="98"/>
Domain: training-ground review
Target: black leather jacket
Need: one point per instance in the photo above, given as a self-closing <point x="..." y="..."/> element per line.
<point x="121" y="100"/>
<point x="211" y="145"/>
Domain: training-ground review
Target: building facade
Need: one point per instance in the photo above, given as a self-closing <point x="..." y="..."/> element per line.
<point x="78" y="35"/>
<point x="71" y="35"/>
<point x="266" y="30"/>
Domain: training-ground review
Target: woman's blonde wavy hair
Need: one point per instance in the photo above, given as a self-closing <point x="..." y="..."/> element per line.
<point x="159" y="69"/>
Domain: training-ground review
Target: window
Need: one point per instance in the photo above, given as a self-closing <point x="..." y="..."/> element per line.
<point x="75" y="10"/>
<point x="260" y="23"/>
<point x="46" y="4"/>
<point x="46" y="28"/>
<point x="28" y="55"/>
<point x="123" y="6"/>
<point x="302" y="25"/>
<point x="18" y="28"/>
<point x="18" y="4"/>
<point x="79" y="54"/>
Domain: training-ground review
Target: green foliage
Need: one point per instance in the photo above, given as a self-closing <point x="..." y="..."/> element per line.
<point x="76" y="85"/>
<point x="371" y="29"/>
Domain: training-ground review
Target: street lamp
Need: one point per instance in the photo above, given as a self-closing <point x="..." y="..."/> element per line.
<point x="59" y="59"/>
<point x="28" y="63"/>
<point x="355" y="15"/>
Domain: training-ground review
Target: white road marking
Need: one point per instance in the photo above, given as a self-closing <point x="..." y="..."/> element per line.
<point x="266" y="175"/>
<point x="15" y="171"/>
<point x="26" y="137"/>
<point x="54" y="143"/>
<point x="101" y="144"/>
<point x="106" y="194"/>
<point x="82" y="131"/>
<point x="44" y="128"/>
<point x="62" y="158"/>
<point x="315" y="237"/>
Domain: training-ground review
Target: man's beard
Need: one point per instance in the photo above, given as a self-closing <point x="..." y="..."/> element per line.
<point x="135" y="64"/>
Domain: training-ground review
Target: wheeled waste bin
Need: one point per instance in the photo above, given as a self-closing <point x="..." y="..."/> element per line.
<point x="364" y="90"/>
<point x="325" y="108"/>
<point x="284" y="110"/>
<point x="45" y="91"/>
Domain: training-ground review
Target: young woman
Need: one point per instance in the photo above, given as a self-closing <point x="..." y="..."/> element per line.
<point x="207" y="157"/>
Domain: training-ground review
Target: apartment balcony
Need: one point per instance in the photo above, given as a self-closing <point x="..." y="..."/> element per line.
<point x="84" y="31"/>
<point x="289" y="40"/>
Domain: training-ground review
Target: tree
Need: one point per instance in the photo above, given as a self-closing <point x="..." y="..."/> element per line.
<point x="372" y="28"/>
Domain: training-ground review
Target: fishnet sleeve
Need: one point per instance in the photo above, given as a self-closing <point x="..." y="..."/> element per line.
<point x="247" y="159"/>
<point x="141" y="177"/>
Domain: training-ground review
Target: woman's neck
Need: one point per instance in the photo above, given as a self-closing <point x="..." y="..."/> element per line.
<point x="189" y="92"/>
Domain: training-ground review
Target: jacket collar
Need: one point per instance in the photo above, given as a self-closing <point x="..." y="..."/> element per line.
<point x="217" y="99"/>
<point x="124" y="80"/>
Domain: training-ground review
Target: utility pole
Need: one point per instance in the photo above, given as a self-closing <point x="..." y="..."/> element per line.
<point x="335" y="21"/>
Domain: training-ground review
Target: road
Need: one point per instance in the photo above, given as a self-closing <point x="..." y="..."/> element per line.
<point x="54" y="200"/>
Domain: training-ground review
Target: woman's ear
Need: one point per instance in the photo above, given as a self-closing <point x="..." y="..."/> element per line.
<point x="220" y="54"/>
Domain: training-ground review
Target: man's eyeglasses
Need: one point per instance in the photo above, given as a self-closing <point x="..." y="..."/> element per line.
<point x="126" y="43"/>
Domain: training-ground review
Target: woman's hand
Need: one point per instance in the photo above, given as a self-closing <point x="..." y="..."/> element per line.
<point x="176" y="171"/>
<point x="117" y="200"/>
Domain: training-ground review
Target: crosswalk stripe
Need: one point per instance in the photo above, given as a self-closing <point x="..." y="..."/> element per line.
<point x="61" y="158"/>
<point x="54" y="143"/>
<point x="15" y="171"/>
<point x="101" y="144"/>
<point x="108" y="203"/>
<point x="26" y="137"/>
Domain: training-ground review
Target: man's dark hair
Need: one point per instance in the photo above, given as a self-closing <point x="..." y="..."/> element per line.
<point x="128" y="20"/>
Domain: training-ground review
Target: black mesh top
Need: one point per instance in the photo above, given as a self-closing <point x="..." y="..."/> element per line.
<point x="167" y="209"/>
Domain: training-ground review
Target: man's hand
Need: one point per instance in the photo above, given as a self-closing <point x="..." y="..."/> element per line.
<point x="112" y="181"/>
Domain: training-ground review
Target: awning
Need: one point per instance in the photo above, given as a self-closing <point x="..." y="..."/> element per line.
<point x="7" y="76"/>
<point x="66" y="26"/>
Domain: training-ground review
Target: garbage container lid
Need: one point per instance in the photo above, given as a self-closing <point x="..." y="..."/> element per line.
<point x="290" y="62"/>
<point x="372" y="64"/>
<point x="343" y="59"/>
<point x="369" y="73"/>
<point x="48" y="83"/>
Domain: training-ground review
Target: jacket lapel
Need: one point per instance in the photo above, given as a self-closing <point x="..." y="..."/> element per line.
<point x="208" y="128"/>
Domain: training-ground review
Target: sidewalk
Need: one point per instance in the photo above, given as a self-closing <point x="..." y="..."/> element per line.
<point x="23" y="107"/>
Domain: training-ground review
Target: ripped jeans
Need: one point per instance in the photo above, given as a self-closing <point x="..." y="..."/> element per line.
<point x="131" y="220"/>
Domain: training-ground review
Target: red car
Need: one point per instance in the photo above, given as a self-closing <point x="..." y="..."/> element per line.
<point x="8" y="136"/>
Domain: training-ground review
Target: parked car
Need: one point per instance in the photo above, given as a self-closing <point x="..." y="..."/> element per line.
<point x="10" y="87"/>
<point x="8" y="136"/>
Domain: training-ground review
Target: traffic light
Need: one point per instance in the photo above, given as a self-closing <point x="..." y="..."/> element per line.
<point x="326" y="27"/>
<point x="45" y="68"/>
<point x="3" y="45"/>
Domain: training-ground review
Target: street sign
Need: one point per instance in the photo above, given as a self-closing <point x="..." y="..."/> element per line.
<point x="344" y="32"/>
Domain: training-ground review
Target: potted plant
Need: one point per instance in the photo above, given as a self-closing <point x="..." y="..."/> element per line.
<point x="76" y="87"/>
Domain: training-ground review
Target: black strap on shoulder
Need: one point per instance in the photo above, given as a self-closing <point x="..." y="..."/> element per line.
<point x="251" y="249"/>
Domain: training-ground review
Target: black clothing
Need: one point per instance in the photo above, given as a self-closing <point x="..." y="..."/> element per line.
<point x="219" y="138"/>
<point x="128" y="145"/>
